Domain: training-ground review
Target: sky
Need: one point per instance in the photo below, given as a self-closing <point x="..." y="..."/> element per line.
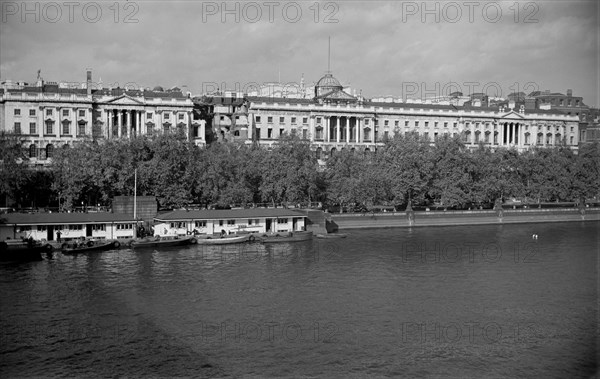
<point x="408" y="49"/>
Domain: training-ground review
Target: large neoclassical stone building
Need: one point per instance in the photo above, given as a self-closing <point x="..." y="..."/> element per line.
<point x="48" y="115"/>
<point x="333" y="120"/>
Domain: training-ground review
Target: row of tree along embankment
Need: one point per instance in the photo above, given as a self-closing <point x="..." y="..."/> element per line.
<point x="448" y="218"/>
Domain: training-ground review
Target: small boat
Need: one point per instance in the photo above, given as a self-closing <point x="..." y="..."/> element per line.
<point x="286" y="237"/>
<point x="23" y="251"/>
<point x="88" y="246"/>
<point x="163" y="242"/>
<point x="225" y="240"/>
<point x="331" y="235"/>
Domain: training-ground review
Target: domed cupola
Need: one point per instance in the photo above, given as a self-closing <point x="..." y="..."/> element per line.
<point x="327" y="84"/>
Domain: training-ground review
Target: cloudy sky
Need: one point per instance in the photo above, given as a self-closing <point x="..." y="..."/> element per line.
<point x="407" y="49"/>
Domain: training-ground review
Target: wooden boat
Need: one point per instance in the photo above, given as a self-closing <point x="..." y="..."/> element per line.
<point x="89" y="246"/>
<point x="331" y="235"/>
<point x="23" y="251"/>
<point x="225" y="240"/>
<point x="286" y="237"/>
<point x="163" y="242"/>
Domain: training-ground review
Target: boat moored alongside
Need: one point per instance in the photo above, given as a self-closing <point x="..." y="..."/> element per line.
<point x="163" y="242"/>
<point x="331" y="235"/>
<point x="286" y="237"/>
<point x="224" y="240"/>
<point x="23" y="251"/>
<point x="89" y="246"/>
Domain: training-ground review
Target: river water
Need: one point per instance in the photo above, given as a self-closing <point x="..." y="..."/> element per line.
<point x="468" y="301"/>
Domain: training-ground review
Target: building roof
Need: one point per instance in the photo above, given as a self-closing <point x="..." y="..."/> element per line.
<point x="138" y="93"/>
<point x="279" y="100"/>
<point x="328" y="80"/>
<point x="63" y="218"/>
<point x="224" y="214"/>
<point x="51" y="89"/>
<point x="392" y="106"/>
<point x="48" y="88"/>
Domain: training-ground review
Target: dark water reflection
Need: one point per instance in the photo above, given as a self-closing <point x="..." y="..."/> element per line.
<point x="472" y="301"/>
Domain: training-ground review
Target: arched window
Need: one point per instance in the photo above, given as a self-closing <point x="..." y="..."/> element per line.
<point x="332" y="151"/>
<point x="319" y="152"/>
<point x="32" y="151"/>
<point x="49" y="151"/>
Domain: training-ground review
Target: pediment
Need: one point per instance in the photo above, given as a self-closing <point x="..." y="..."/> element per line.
<point x="124" y="100"/>
<point x="512" y="115"/>
<point x="337" y="95"/>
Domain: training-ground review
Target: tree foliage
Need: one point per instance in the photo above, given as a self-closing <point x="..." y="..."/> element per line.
<point x="406" y="168"/>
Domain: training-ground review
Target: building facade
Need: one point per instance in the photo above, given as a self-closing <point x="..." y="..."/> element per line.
<point x="48" y="115"/>
<point x="334" y="120"/>
<point x="46" y="226"/>
<point x="234" y="221"/>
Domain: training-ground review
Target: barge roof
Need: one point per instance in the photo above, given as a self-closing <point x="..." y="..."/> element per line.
<point x="216" y="214"/>
<point x="63" y="218"/>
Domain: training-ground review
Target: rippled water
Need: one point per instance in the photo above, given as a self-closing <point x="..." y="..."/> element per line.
<point x="469" y="301"/>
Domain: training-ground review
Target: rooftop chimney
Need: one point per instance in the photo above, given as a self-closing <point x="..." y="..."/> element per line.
<point x="569" y="92"/>
<point x="89" y="81"/>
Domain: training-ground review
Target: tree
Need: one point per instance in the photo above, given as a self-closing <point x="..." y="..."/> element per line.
<point x="585" y="172"/>
<point x="451" y="179"/>
<point x="408" y="166"/>
<point x="14" y="173"/>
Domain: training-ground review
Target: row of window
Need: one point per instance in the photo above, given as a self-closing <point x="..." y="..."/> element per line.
<point x="43" y="228"/>
<point x="166" y="129"/>
<point x="66" y="128"/>
<point x="82" y="113"/>
<point x="166" y="116"/>
<point x="561" y="102"/>
<point x="416" y="123"/>
<point x="282" y="120"/>
<point x="50" y="112"/>
<point x="47" y="152"/>
<point x="202" y="223"/>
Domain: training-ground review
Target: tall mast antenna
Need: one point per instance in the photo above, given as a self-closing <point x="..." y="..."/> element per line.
<point x="329" y="57"/>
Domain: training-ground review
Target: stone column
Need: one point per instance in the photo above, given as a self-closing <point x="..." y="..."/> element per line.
<point x="327" y="122"/>
<point x="119" y="123"/>
<point x="337" y="129"/>
<point x="190" y="131"/>
<point x="358" y="132"/>
<point x="103" y="117"/>
<point x="143" y="127"/>
<point x="347" y="129"/>
<point x="128" y="122"/>
<point x="495" y="134"/>
<point x="312" y="129"/>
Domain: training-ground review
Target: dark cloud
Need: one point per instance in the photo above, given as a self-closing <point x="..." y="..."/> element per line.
<point x="377" y="46"/>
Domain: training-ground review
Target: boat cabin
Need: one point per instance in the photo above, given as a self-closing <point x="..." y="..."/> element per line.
<point x="234" y="221"/>
<point x="46" y="226"/>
